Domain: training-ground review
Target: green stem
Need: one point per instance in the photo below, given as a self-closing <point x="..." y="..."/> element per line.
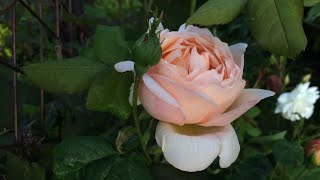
<point x="297" y="130"/>
<point x="193" y="6"/>
<point x="135" y="117"/>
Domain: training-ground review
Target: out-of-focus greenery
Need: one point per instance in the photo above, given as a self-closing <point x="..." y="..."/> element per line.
<point x="75" y="143"/>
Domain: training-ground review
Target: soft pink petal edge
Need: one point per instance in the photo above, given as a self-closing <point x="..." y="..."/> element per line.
<point x="159" y="103"/>
<point x="237" y="51"/>
<point x="247" y="99"/>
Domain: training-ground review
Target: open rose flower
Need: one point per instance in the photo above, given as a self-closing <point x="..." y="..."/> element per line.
<point x="196" y="91"/>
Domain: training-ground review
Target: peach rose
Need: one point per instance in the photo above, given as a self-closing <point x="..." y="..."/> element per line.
<point x="196" y="91"/>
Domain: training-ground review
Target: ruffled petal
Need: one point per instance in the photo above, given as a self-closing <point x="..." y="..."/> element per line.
<point x="237" y="51"/>
<point x="247" y="99"/>
<point x="159" y="103"/>
<point x="198" y="61"/>
<point x="193" y="148"/>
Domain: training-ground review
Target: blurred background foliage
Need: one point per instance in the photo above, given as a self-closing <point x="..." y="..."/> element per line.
<point x="271" y="147"/>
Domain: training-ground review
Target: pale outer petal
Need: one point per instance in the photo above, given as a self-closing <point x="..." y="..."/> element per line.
<point x="124" y="66"/>
<point x="195" y="149"/>
<point x="131" y="96"/>
<point x="230" y="147"/>
<point x="247" y="99"/>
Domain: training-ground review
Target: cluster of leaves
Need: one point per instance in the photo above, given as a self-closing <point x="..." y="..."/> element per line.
<point x="90" y="132"/>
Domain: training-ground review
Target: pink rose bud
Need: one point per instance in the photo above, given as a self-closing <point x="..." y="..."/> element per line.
<point x="313" y="152"/>
<point x="274" y="83"/>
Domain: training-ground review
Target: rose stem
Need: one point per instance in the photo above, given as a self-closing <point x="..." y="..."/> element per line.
<point x="135" y="117"/>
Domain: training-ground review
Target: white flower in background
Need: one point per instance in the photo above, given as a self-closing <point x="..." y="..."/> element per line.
<point x="299" y="103"/>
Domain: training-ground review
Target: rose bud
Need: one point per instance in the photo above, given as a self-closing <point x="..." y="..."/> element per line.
<point x="313" y="152"/>
<point x="146" y="50"/>
<point x="274" y="83"/>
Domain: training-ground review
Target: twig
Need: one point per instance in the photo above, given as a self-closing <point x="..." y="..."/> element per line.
<point x="39" y="19"/>
<point x="14" y="75"/>
<point x="16" y="69"/>
<point x="8" y="7"/>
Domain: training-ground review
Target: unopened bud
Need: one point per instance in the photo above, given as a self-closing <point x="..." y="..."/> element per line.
<point x="146" y="52"/>
<point x="313" y="152"/>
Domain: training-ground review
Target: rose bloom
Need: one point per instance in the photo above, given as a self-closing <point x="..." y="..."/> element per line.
<point x="196" y="91"/>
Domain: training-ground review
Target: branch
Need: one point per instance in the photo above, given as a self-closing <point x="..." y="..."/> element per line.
<point x="34" y="14"/>
<point x="16" y="69"/>
<point x="8" y="7"/>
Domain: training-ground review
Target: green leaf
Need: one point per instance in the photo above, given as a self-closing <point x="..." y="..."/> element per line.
<point x="309" y="3"/>
<point x="124" y="135"/>
<point x="110" y="93"/>
<point x="65" y="76"/>
<point x="252" y="131"/>
<point x="164" y="171"/>
<point x="75" y="152"/>
<point x="288" y="153"/>
<point x="109" y="44"/>
<point x="253" y="112"/>
<point x="130" y="167"/>
<point x="277" y="25"/>
<point x="313" y="13"/>
<point x="269" y="138"/>
<point x="256" y="167"/>
<point x="217" y="12"/>
<point x="311" y="174"/>
<point x="19" y="169"/>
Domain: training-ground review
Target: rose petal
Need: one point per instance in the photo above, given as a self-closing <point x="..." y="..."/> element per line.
<point x="193" y="148"/>
<point x="198" y="61"/>
<point x="159" y="103"/>
<point x="237" y="51"/>
<point x="247" y="99"/>
<point x="169" y="57"/>
<point x="230" y="146"/>
<point x="131" y="96"/>
<point x="124" y="66"/>
<point x="196" y="106"/>
<point x="195" y="29"/>
<point x="224" y="96"/>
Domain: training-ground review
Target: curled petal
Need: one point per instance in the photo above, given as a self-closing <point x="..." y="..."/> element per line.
<point x="247" y="99"/>
<point x="131" y="96"/>
<point x="193" y="148"/>
<point x="124" y="66"/>
<point x="230" y="146"/>
<point x="159" y="103"/>
<point x="237" y="51"/>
